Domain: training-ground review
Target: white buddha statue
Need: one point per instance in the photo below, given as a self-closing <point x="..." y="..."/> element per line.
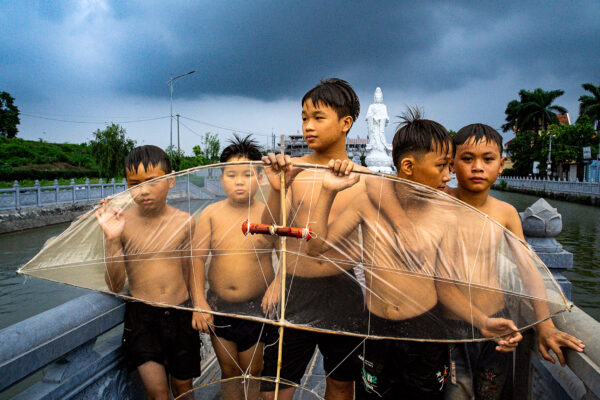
<point x="378" y="151"/>
<point x="377" y="120"/>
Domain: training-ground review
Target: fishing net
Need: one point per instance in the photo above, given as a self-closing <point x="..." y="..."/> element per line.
<point x="363" y="256"/>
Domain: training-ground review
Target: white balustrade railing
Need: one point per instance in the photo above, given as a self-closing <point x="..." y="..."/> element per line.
<point x="552" y="185"/>
<point x="19" y="197"/>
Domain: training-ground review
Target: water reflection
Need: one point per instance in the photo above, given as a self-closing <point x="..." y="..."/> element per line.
<point x="21" y="297"/>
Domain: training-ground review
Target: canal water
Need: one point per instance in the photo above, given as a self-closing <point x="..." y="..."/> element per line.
<point x="22" y="297"/>
<point x="581" y="236"/>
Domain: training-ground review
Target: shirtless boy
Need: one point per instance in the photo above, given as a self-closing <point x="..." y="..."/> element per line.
<point x="477" y="162"/>
<point x="405" y="247"/>
<point x="152" y="335"/>
<point x="238" y="279"/>
<point x="328" y="112"/>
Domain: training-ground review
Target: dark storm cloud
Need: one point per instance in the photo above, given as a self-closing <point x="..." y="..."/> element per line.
<point x="270" y="50"/>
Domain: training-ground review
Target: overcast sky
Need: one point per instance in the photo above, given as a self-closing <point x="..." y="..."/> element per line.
<point x="90" y="62"/>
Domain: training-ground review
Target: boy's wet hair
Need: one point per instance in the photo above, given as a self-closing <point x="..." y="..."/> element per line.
<point x="478" y="132"/>
<point x="337" y="94"/>
<point x="241" y="147"/>
<point x="416" y="135"/>
<point x="147" y="155"/>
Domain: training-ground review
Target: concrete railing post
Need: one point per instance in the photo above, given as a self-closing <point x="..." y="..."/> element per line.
<point x="101" y="188"/>
<point x="38" y="193"/>
<point x="56" y="191"/>
<point x="87" y="188"/>
<point x="17" y="195"/>
<point x="541" y="224"/>
<point x="73" y="190"/>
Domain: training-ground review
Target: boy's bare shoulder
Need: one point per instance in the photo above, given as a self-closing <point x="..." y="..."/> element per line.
<point x="502" y="212"/>
<point x="207" y="212"/>
<point x="178" y="215"/>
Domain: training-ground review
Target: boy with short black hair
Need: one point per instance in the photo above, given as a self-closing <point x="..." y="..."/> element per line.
<point x="237" y="281"/>
<point x="401" y="299"/>
<point x="159" y="342"/>
<point x="480" y="370"/>
<point x="328" y="113"/>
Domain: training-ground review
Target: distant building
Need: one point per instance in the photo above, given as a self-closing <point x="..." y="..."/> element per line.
<point x="295" y="146"/>
<point x="564" y="119"/>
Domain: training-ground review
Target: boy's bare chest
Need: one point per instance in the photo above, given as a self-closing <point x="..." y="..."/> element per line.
<point x="226" y="226"/>
<point x="157" y="236"/>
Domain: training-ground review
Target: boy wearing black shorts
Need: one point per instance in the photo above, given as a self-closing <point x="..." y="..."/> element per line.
<point x="237" y="281"/>
<point x="159" y="342"/>
<point x="403" y="236"/>
<point x="322" y="295"/>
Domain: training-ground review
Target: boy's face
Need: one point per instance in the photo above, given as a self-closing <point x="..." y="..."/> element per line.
<point x="240" y="182"/>
<point x="321" y="126"/>
<point x="477" y="165"/>
<point x="430" y="169"/>
<point x="152" y="195"/>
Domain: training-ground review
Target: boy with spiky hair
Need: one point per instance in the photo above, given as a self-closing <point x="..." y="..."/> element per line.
<point x="322" y="294"/>
<point x="237" y="282"/>
<point x="159" y="342"/>
<point x="480" y="370"/>
<point x="402" y="294"/>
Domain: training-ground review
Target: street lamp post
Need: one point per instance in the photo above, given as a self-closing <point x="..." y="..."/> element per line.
<point x="170" y="83"/>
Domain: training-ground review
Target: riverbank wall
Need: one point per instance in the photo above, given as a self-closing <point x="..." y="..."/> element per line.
<point x="576" y="192"/>
<point x="571" y="197"/>
<point x="37" y="217"/>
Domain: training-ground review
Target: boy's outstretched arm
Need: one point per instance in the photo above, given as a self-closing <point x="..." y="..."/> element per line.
<point x="549" y="337"/>
<point x="504" y="331"/>
<point x="112" y="222"/>
<point x="339" y="177"/>
<point x="201" y="321"/>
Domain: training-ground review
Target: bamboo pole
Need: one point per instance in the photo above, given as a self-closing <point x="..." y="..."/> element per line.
<point x="283" y="270"/>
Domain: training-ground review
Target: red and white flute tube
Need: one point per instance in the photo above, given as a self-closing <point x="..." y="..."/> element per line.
<point x="249" y="228"/>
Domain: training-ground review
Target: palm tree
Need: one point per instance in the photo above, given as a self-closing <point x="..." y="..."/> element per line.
<point x="534" y="111"/>
<point x="512" y="114"/>
<point x="590" y="105"/>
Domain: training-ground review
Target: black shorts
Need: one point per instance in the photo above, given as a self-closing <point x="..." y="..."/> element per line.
<point x="333" y="302"/>
<point x="396" y="369"/>
<point x="428" y="326"/>
<point x="244" y="333"/>
<point x="163" y="335"/>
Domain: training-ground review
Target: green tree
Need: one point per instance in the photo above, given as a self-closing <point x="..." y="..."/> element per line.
<point x="110" y="147"/>
<point x="534" y="111"/>
<point x="177" y="157"/>
<point x="526" y="148"/>
<point x="9" y="116"/>
<point x="568" y="141"/>
<point x="590" y="105"/>
<point x="208" y="151"/>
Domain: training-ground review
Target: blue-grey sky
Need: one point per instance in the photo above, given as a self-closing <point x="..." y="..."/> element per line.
<point x="88" y="62"/>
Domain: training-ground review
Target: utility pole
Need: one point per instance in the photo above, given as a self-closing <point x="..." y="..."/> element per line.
<point x="549" y="166"/>
<point x="178" y="147"/>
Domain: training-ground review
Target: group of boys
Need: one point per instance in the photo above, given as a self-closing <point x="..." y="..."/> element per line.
<point x="162" y="342"/>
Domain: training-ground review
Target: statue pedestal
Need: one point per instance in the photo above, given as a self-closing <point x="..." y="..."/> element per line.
<point x="379" y="161"/>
